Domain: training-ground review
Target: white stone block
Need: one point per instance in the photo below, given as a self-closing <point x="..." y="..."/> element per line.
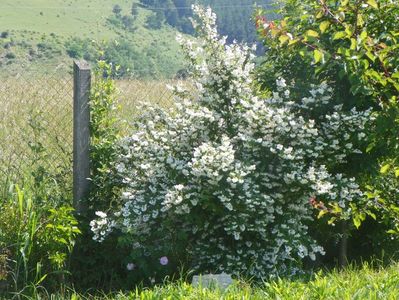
<point x="221" y="281"/>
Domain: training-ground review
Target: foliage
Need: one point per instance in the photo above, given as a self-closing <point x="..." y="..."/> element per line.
<point x="135" y="62"/>
<point x="4" y="34"/>
<point x="363" y="282"/>
<point x="35" y="240"/>
<point x="353" y="46"/>
<point x="350" y="283"/>
<point x="80" y="48"/>
<point x="48" y="185"/>
<point x="215" y="183"/>
<point x="37" y="226"/>
<point x="105" y="129"/>
<point x="48" y="42"/>
<point x="154" y="21"/>
<point x="233" y="16"/>
<point x="134" y="9"/>
<point x="117" y="9"/>
<point x="124" y="22"/>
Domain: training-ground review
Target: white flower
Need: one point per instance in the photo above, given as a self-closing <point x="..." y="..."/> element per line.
<point x="232" y="171"/>
<point x="101" y="214"/>
<point x="130" y="266"/>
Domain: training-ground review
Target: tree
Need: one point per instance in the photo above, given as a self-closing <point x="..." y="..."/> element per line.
<point x="117" y="9"/>
<point x="128" y="22"/>
<point x="234" y="16"/>
<point x="171" y="15"/>
<point x="154" y="21"/>
<point x="135" y="9"/>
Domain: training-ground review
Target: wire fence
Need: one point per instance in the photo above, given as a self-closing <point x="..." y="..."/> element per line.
<point x="36" y="119"/>
<point x="36" y="124"/>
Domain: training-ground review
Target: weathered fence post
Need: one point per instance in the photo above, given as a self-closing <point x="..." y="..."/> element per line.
<point x="81" y="134"/>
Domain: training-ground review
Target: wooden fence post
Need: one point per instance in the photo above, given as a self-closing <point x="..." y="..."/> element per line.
<point x="81" y="134"/>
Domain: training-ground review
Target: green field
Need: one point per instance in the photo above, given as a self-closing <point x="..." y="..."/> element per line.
<point x="38" y="31"/>
<point x="64" y="18"/>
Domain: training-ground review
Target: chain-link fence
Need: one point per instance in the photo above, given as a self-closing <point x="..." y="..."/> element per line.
<point x="132" y="92"/>
<point x="36" y="119"/>
<point x="35" y="122"/>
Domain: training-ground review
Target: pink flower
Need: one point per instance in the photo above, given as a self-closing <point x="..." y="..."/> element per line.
<point x="164" y="260"/>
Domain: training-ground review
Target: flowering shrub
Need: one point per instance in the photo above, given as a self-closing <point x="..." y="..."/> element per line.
<point x="353" y="46"/>
<point x="222" y="181"/>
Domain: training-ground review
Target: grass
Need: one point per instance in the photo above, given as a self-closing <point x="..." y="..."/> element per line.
<point x="39" y="30"/>
<point x="79" y="18"/>
<point x="37" y="115"/>
<point x="351" y="283"/>
<point x="361" y="283"/>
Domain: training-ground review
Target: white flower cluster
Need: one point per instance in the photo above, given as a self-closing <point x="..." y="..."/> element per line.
<point x="231" y="171"/>
<point x="101" y="226"/>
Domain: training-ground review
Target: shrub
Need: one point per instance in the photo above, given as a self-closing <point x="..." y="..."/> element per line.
<point x="4" y="34"/>
<point x="35" y="242"/>
<point x="353" y="46"/>
<point x="10" y="55"/>
<point x="117" y="9"/>
<point x="74" y="49"/>
<point x="222" y="181"/>
<point x="92" y="265"/>
<point x="155" y="21"/>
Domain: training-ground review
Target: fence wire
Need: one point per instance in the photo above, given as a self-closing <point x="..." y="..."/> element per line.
<point x="35" y="122"/>
<point x="36" y="118"/>
<point x="132" y="92"/>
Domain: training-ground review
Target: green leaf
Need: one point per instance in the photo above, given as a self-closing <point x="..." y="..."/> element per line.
<point x="41" y="279"/>
<point x="366" y="64"/>
<point x="324" y="25"/>
<point x="318" y="56"/>
<point x="348" y="29"/>
<point x="385" y="168"/>
<point x="363" y="35"/>
<point x="371" y="56"/>
<point x="353" y="44"/>
<point x="283" y="39"/>
<point x="357" y="222"/>
<point x="339" y="35"/>
<point x="320" y="14"/>
<point x="372" y="215"/>
<point x="372" y="3"/>
<point x="312" y="33"/>
<point x="321" y="213"/>
<point x="332" y="220"/>
<point x="397" y="172"/>
<point x="360" y="20"/>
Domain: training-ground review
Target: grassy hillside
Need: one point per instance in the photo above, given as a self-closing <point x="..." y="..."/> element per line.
<point x="47" y="32"/>
<point x="82" y="18"/>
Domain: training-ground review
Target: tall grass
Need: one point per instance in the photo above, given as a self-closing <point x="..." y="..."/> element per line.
<point x="36" y="121"/>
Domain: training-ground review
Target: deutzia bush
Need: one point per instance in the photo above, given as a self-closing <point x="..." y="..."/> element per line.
<point x="223" y="179"/>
